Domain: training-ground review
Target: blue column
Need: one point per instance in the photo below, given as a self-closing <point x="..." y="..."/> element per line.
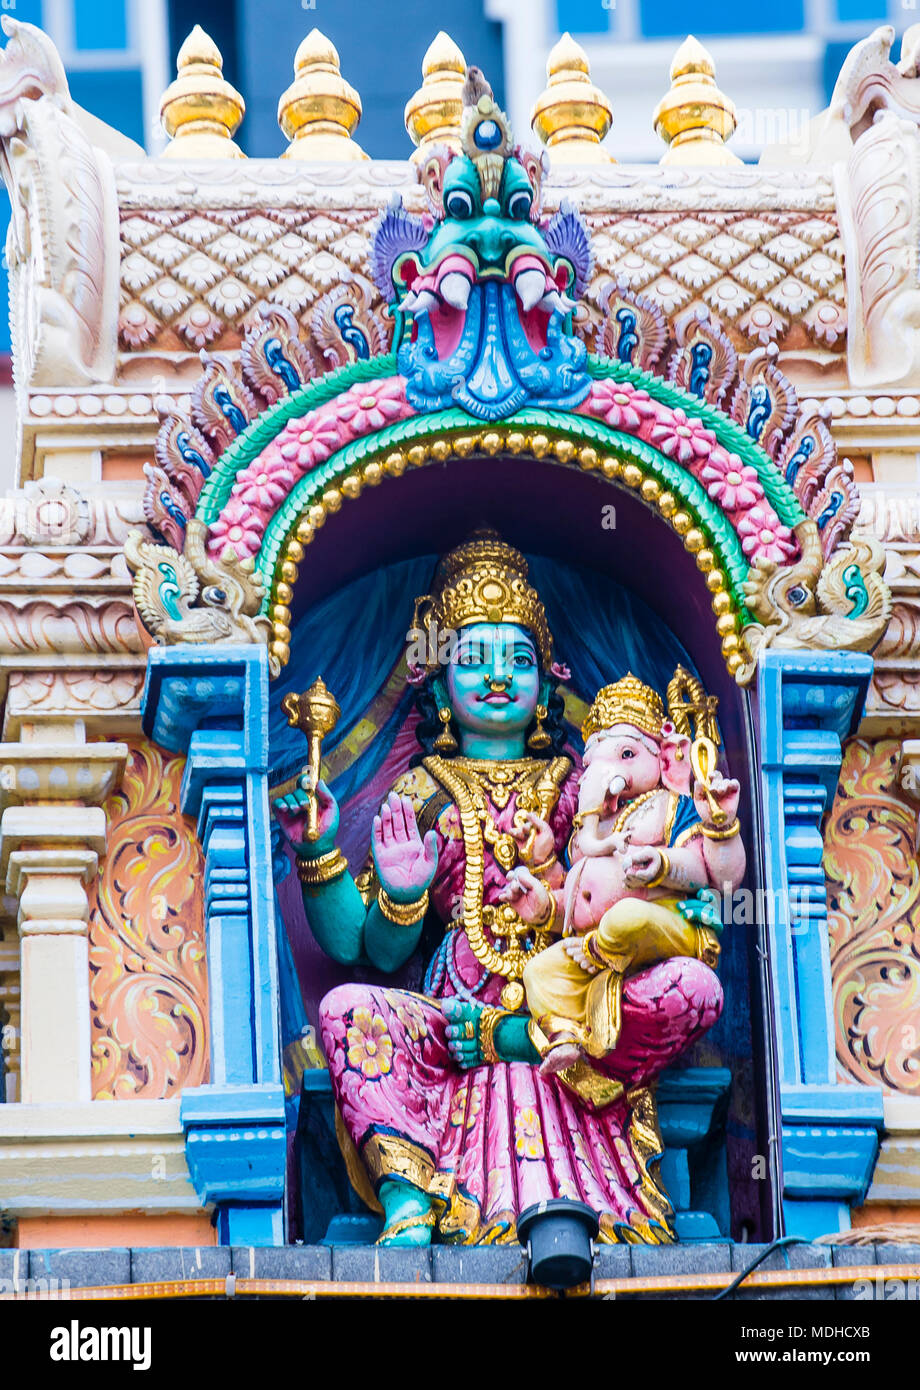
<point x="212" y="705"/>
<point x="808" y="703"/>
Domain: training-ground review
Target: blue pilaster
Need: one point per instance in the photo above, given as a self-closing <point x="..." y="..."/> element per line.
<point x="212" y="705"/>
<point x="808" y="703"/>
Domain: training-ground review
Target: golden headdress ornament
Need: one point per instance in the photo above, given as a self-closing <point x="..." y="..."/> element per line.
<point x="627" y="701"/>
<point x="485" y="581"/>
<point x="485" y="133"/>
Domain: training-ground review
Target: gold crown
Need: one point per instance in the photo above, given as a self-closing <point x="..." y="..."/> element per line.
<point x="628" y="701"/>
<point x="485" y="581"/>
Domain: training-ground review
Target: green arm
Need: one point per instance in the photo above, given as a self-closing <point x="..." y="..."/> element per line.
<point x="512" y="1041"/>
<point x="336" y="915"/>
<point x="345" y="928"/>
<point x="388" y="945"/>
<point x="349" y="932"/>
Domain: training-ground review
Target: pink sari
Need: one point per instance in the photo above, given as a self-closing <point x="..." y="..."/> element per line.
<point x="489" y="1142"/>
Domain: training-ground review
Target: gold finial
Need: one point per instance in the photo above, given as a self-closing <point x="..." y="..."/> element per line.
<point x="319" y="111"/>
<point x="200" y="111"/>
<point x="695" y="118"/>
<point x="433" y="114"/>
<point x="572" y="116"/>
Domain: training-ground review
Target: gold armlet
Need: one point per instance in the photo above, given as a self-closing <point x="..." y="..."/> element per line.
<point x="662" y="872"/>
<point x="323" y="869"/>
<point x="727" y="834"/>
<point x="402" y="914"/>
<point x="488" y="1022"/>
<point x="538" y="870"/>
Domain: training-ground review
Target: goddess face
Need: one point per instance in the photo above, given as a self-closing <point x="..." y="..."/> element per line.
<point x="493" y="680"/>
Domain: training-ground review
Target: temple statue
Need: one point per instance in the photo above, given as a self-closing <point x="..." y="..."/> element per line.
<point x="442" y="1092"/>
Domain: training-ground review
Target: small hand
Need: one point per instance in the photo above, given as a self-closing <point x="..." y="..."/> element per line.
<point x="726" y="793"/>
<point x="405" y="863"/>
<point x="529" y="896"/>
<point x="291" y="811"/>
<point x="544" y="841"/>
<point x="641" y="864"/>
<point x="462" y="1021"/>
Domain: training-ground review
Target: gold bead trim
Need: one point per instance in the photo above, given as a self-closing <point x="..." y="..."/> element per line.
<point x="493" y="441"/>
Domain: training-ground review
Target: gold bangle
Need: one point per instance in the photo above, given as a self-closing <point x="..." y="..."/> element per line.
<point x="728" y="834"/>
<point x="550" y="915"/>
<point x="323" y="869"/>
<point x="662" y="872"/>
<point x="539" y="869"/>
<point x="402" y="914"/>
<point x="488" y="1021"/>
<point x="591" y="949"/>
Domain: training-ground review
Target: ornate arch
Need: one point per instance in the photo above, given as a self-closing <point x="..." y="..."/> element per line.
<point x="489" y="356"/>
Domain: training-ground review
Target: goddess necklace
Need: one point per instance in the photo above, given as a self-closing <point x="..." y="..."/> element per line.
<point x="471" y="783"/>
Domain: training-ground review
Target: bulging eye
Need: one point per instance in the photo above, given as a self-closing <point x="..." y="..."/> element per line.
<point x="458" y="203"/>
<point x="627" y="753"/>
<point x="797" y="595"/>
<point x="519" y="205"/>
<point x="214" y="596"/>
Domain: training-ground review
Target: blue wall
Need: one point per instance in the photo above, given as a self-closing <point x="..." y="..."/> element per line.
<point x="381" y="47"/>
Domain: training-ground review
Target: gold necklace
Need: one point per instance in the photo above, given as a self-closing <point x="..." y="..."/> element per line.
<point x="467" y="780"/>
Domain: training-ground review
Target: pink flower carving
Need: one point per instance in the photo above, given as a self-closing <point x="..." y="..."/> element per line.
<point x="262" y="487"/>
<point x="311" y="440"/>
<point x="682" y="439"/>
<point x="238" y="525"/>
<point x="372" y="406"/>
<point x="621" y="407"/>
<point x="764" y="537"/>
<point x="730" y="482"/>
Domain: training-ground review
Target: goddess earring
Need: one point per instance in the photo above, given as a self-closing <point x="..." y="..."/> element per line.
<point x="540" y="738"/>
<point x="445" y="741"/>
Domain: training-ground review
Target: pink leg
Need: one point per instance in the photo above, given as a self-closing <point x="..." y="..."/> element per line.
<point x="665" y="1010"/>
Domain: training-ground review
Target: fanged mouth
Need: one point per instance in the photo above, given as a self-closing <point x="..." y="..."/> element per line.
<point x="444" y="294"/>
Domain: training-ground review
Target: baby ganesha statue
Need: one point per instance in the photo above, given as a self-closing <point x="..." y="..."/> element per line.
<point x="459" y="1121"/>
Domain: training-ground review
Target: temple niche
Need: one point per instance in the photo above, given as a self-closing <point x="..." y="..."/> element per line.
<point x="458" y="642"/>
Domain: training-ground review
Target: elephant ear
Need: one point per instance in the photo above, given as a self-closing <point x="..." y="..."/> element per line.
<point x="675" y="763"/>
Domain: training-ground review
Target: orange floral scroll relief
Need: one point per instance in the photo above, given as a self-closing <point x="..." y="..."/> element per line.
<point x="148" y="969"/>
<point x="873" y="887"/>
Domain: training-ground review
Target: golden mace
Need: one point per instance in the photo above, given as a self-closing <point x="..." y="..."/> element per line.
<point x="703" y="757"/>
<point x="315" y="712"/>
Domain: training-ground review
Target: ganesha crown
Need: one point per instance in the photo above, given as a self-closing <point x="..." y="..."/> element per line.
<point x="627" y="701"/>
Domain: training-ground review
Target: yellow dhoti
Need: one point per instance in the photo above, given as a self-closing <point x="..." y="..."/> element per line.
<point x="568" y="1001"/>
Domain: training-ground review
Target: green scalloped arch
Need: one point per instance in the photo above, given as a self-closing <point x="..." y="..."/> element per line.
<point x="247" y="446"/>
<point x="579" y="429"/>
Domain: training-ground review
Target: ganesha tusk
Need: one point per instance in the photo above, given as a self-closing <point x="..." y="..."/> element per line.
<point x="530" y="287"/>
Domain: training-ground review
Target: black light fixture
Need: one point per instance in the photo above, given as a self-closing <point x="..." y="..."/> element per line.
<point x="559" y="1235"/>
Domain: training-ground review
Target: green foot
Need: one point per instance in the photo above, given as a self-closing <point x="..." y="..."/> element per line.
<point x="408" y="1217"/>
